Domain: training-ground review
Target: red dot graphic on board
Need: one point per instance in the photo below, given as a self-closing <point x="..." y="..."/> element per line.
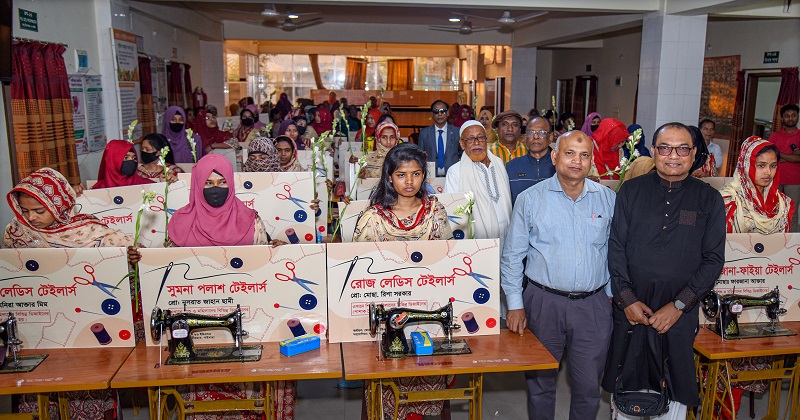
<point x="309" y="236"/>
<point x="321" y="228"/>
<point x="152" y="231"/>
<point x="277" y="218"/>
<point x="78" y="310"/>
<point x="491" y="322"/>
<point x="125" y="335"/>
<point x="277" y="306"/>
<point x="452" y="299"/>
<point x="790" y="287"/>
<point x="319" y="328"/>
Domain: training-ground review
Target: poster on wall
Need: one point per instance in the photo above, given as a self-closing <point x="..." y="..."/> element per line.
<point x="78" y="97"/>
<point x="281" y="290"/>
<point x="95" y="117"/>
<point x="754" y="265"/>
<point x="67" y="297"/>
<point x="127" y="72"/>
<point x="423" y="275"/>
<point x="718" y="94"/>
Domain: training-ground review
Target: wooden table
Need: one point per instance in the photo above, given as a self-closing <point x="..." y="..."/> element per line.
<point x="505" y="352"/>
<point x="142" y="369"/>
<point x="713" y="353"/>
<point x="64" y="370"/>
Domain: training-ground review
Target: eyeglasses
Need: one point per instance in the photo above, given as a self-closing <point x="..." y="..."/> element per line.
<point x="682" y="151"/>
<point x="210" y="117"/>
<point x="440" y="111"/>
<point x="479" y="139"/>
<point x="537" y="134"/>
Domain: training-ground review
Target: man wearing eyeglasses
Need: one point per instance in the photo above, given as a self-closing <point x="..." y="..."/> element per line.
<point x="561" y="226"/>
<point x="509" y="144"/>
<point x="440" y="141"/>
<point x="536" y="165"/>
<point x="484" y="174"/>
<point x="666" y="250"/>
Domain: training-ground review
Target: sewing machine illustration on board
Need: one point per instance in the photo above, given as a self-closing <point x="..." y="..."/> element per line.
<point x="393" y="339"/>
<point x="725" y="310"/>
<point x="9" y="344"/>
<point x="182" y="349"/>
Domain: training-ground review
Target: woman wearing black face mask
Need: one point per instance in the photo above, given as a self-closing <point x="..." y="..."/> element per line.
<point x="174" y="129"/>
<point x="118" y="167"/>
<point x="246" y="131"/>
<point x="150" y="167"/>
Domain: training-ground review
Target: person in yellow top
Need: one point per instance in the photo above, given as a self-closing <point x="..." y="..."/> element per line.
<point x="509" y="144"/>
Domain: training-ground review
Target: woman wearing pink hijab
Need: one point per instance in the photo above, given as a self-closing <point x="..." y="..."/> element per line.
<point x="591" y="123"/>
<point x="214" y="216"/>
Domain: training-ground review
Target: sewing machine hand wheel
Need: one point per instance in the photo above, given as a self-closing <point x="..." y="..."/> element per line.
<point x="374" y="319"/>
<point x="711" y="305"/>
<point x="156" y="323"/>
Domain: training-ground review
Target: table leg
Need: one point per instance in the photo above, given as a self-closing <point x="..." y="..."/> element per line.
<point x="775" y="385"/>
<point x="710" y="393"/>
<point x="44" y="406"/>
<point x="269" y="400"/>
<point x="152" y="402"/>
<point x="476" y="403"/>
<point x="63" y="406"/>
<point x="794" y="394"/>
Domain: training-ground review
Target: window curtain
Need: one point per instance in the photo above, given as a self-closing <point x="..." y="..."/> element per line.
<point x="314" y="60"/>
<point x="787" y="94"/>
<point x="175" y="85"/>
<point x="187" y="85"/>
<point x="737" y="124"/>
<point x="582" y="96"/>
<point x="147" y="114"/>
<point x="355" y="73"/>
<point x="400" y="74"/>
<point x="41" y="107"/>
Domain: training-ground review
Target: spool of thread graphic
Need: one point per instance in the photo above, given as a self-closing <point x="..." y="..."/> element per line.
<point x="470" y="322"/>
<point x="290" y="233"/>
<point x="101" y="334"/>
<point x="296" y="327"/>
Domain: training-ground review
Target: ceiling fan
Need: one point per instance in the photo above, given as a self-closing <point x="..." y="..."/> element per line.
<point x="289" y="24"/>
<point x="506" y="18"/>
<point x="270" y="12"/>
<point x="465" y="28"/>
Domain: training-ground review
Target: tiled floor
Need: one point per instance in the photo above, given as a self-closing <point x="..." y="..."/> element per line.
<point x="503" y="398"/>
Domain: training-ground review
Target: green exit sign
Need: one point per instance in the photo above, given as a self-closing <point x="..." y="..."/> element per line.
<point x="28" y="20"/>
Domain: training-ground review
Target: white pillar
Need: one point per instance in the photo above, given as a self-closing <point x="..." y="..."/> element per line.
<point x="670" y="70"/>
<point x="212" y="73"/>
<point x="523" y="79"/>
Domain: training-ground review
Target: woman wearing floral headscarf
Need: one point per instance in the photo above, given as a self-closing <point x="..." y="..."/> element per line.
<point x="262" y="156"/>
<point x="753" y="204"/>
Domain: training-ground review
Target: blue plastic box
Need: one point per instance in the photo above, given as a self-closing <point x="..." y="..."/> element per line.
<point x="300" y="344"/>
<point x="423" y="345"/>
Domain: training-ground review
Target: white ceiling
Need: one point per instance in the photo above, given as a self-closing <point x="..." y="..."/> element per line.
<point x="407" y="22"/>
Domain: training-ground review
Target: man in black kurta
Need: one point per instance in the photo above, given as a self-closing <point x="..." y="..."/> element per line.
<point x="665" y="252"/>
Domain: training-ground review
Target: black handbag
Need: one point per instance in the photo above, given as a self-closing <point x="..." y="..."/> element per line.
<point x="645" y="402"/>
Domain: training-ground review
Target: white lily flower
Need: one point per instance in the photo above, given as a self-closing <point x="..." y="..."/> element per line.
<point x="636" y="153"/>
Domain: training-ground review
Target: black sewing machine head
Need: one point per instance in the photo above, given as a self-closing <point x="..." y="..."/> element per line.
<point x="181" y="325"/>
<point x="725" y="309"/>
<point x="9" y="339"/>
<point x="393" y="340"/>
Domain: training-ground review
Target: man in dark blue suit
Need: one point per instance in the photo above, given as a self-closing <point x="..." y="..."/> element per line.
<point x="440" y="141"/>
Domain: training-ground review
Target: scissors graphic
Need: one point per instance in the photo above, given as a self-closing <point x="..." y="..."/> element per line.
<point x="478" y="277"/>
<point x="302" y="282"/>
<point x="288" y="189"/>
<point x="102" y="286"/>
<point x="160" y="200"/>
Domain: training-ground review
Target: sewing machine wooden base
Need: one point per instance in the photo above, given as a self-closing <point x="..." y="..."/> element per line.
<point x="756" y="330"/>
<point x="27" y="363"/>
<point x="220" y="354"/>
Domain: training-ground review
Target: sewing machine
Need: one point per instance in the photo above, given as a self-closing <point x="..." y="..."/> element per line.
<point x="725" y="310"/>
<point x="9" y="343"/>
<point x="181" y="346"/>
<point x="393" y="340"/>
